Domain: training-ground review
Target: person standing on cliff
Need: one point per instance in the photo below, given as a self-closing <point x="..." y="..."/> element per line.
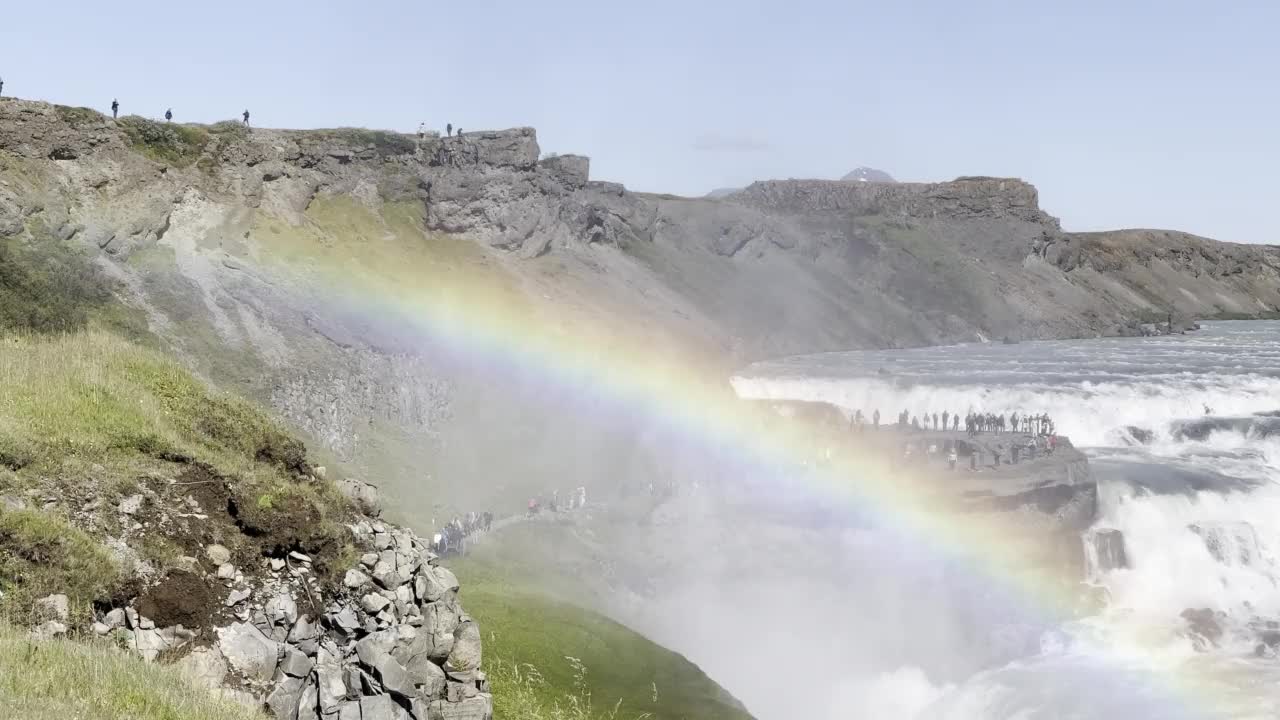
<point x="246" y="118"/>
<point x="946" y="420"/>
<point x="448" y="129"/>
<point x="875" y="418"/>
<point x="115" y="109"/>
<point x="1" y="87"/>
<point x="168" y="115"/>
<point x="935" y="422"/>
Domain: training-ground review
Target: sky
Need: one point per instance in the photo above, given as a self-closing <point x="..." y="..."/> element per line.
<point x="1127" y="113"/>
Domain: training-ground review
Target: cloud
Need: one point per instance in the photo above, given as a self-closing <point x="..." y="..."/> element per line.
<point x="715" y="142"/>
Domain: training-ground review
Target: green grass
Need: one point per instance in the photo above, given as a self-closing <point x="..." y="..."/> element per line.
<point x="47" y="285"/>
<point x="170" y="143"/>
<point x="62" y="679"/>
<point x="40" y="555"/>
<point x="89" y="417"/>
<point x="385" y="143"/>
<point x="551" y="659"/>
<point x="77" y="116"/>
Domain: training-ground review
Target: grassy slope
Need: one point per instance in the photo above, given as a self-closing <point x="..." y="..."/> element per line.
<point x="65" y="679"/>
<point x="575" y="651"/>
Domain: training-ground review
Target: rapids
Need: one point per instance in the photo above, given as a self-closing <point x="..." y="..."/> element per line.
<point x="1183" y="437"/>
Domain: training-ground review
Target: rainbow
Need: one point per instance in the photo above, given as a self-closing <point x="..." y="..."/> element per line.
<point x="469" y="307"/>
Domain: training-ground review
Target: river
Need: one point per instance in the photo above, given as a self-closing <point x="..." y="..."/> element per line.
<point x="1183" y="440"/>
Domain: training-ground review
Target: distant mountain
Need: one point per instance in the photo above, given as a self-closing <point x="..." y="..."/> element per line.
<point x="866" y="174"/>
<point x="721" y="192"/>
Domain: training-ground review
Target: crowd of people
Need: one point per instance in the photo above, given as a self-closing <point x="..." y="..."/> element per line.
<point x="452" y="538"/>
<point x="974" y="423"/>
<point x="576" y="499"/>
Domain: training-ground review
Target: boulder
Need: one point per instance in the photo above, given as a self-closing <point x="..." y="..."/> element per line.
<point x="283" y="700"/>
<point x="282" y="610"/>
<point x="226" y="571"/>
<point x="437" y="582"/>
<point x="48" y="630"/>
<point x="203" y="667"/>
<point x="479" y="707"/>
<point x="464" y="658"/>
<point x="374" y="603"/>
<point x="217" y="554"/>
<point x="439" y="621"/>
<point x="355" y="579"/>
<point x="364" y="495"/>
<point x="53" y="607"/>
<point x="573" y="171"/>
<point x="250" y="652"/>
<point x="296" y="663"/>
<point x="381" y="707"/>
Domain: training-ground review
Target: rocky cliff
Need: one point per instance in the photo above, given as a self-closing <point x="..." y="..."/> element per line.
<point x="295" y="265"/>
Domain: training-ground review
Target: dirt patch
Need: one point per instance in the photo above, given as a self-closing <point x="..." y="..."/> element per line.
<point x="180" y="599"/>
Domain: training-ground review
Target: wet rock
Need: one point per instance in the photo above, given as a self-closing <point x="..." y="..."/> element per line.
<point x="250" y="652"/>
<point x="1108" y="546"/>
<point x="1204" y="626"/>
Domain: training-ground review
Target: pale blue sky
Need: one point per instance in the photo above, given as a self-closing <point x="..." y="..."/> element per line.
<point x="1126" y="113"/>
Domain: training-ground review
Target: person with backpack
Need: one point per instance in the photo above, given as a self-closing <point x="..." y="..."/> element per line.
<point x="246" y="118"/>
<point x="168" y="115"/>
<point x="115" y="109"/>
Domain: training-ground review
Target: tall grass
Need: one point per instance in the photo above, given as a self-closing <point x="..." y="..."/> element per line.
<point x="521" y="692"/>
<point x="63" y="679"/>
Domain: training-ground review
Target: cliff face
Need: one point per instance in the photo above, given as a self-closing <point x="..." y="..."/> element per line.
<point x="274" y="261"/>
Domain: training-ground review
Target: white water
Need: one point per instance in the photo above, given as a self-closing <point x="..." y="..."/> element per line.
<point x="1197" y="504"/>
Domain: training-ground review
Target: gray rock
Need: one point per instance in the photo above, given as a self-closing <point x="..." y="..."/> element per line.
<point x="464" y="658"/>
<point x="237" y="596"/>
<point x="282" y="610"/>
<point x="479" y="707"/>
<point x="296" y="663"/>
<point x="309" y="702"/>
<point x="131" y="505"/>
<point x="250" y="652"/>
<point x="101" y="629"/>
<point x="390" y="579"/>
<point x="349" y="711"/>
<point x="226" y="571"/>
<point x="382" y="707"/>
<point x="48" y="631"/>
<point x="284" y="698"/>
<point x="217" y="554"/>
<point x="130" y="618"/>
<point x="53" y="607"/>
<point x="304" y="630"/>
<point x="381" y="540"/>
<point x="115" y="618"/>
<point x="438" y="583"/>
<point x="439" y="621"/>
<point x="355" y="579"/>
<point x="332" y="686"/>
<point x="276" y="564"/>
<point x="364" y="495"/>
<point x="203" y="667"/>
<point x="299" y="557"/>
<point x="416" y="659"/>
<point x="374" y="602"/>
<point x="369" y="559"/>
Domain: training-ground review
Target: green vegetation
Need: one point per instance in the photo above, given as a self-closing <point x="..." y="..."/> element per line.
<point x="77" y="116"/>
<point x="549" y="659"/>
<point x="40" y="555"/>
<point x="63" y="679"/>
<point x="385" y="143"/>
<point x="90" y="417"/>
<point x="171" y="143"/>
<point x="51" y="286"/>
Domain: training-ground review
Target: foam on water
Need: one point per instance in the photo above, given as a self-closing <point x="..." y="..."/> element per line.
<point x="1188" y="465"/>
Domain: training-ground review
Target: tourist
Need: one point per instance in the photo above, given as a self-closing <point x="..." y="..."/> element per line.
<point x="246" y="118"/>
<point x="946" y="420"/>
<point x="448" y="129"/>
<point x="115" y="109"/>
<point x="955" y="421"/>
<point x="1" y="87"/>
<point x="168" y="115"/>
<point x="935" y="422"/>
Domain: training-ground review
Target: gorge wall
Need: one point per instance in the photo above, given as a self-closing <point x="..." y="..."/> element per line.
<point x="335" y="273"/>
